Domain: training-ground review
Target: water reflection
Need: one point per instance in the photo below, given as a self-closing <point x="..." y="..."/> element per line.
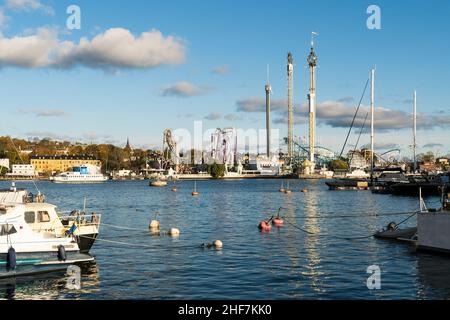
<point x="433" y="276"/>
<point x="50" y="286"/>
<point x="312" y="242"/>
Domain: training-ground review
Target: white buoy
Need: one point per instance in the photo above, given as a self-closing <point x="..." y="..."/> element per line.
<point x="218" y="244"/>
<point x="154" y="224"/>
<point x="174" y="232"/>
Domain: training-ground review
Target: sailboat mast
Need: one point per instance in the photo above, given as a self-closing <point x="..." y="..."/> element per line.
<point x="372" y="112"/>
<point x="415" y="130"/>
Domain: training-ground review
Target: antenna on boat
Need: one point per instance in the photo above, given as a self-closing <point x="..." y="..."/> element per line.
<point x="415" y="130"/>
<point x="21" y="159"/>
<point x="372" y="112"/>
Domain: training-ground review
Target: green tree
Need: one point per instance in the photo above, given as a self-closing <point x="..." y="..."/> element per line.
<point x="338" y="165"/>
<point x="217" y="171"/>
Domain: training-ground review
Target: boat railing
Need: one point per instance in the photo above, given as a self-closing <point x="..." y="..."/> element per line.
<point x="80" y="221"/>
<point x="84" y="220"/>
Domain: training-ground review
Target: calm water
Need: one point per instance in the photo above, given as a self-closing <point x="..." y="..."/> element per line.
<point x="283" y="264"/>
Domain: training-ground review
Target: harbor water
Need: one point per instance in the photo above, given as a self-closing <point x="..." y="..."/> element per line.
<point x="286" y="263"/>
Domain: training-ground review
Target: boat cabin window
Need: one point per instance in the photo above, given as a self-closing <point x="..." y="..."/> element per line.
<point x="43" y="216"/>
<point x="6" y="230"/>
<point x="29" y="217"/>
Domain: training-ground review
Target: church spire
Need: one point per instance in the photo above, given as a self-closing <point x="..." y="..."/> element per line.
<point x="128" y="146"/>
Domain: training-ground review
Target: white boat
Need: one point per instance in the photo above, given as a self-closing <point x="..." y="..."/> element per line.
<point x="433" y="226"/>
<point x="264" y="166"/>
<point x="358" y="174"/>
<point x="81" y="174"/>
<point x="33" y="236"/>
<point x="158" y="183"/>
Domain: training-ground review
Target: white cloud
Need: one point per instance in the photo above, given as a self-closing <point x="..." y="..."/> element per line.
<point x="3" y="18"/>
<point x="44" y="113"/>
<point x="221" y="70"/>
<point x="115" y="48"/>
<point x="29" y="5"/>
<point x="183" y="89"/>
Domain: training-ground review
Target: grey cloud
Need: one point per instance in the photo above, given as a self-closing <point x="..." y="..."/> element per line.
<point x="232" y="117"/>
<point x="183" y="89"/>
<point x="433" y="145"/>
<point x="382" y="146"/>
<point x="213" y="116"/>
<point x="339" y="115"/>
<point x="44" y="113"/>
<point x="221" y="70"/>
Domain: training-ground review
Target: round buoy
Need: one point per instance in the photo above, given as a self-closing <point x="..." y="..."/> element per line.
<point x="282" y="190"/>
<point x="195" y="194"/>
<point x="174" y="190"/>
<point x="218" y="244"/>
<point x="154" y="224"/>
<point x="304" y="190"/>
<point x="174" y="232"/>
<point x="264" y="226"/>
<point x="278" y="222"/>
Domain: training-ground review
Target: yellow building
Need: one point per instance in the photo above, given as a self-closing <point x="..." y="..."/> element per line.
<point x="49" y="164"/>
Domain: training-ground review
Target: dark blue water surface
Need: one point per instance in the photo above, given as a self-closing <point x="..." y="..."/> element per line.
<point x="286" y="263"/>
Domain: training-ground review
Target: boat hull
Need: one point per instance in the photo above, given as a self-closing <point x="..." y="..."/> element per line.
<point x="413" y="189"/>
<point x="45" y="258"/>
<point x="406" y="233"/>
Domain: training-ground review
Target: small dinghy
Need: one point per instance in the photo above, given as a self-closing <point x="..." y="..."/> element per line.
<point x="158" y="183"/>
<point x="392" y="232"/>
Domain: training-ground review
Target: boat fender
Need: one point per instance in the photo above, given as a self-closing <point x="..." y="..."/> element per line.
<point x="392" y="226"/>
<point x="11" y="259"/>
<point x="62" y="256"/>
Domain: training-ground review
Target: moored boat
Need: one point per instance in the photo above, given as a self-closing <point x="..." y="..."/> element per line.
<point x="81" y="174"/>
<point x="33" y="235"/>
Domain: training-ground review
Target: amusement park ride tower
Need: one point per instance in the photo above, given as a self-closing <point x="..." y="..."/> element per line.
<point x="312" y="62"/>
<point x="268" y="93"/>
<point x="290" y="72"/>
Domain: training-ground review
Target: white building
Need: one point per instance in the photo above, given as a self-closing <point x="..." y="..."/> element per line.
<point x="22" y="170"/>
<point x="4" y="163"/>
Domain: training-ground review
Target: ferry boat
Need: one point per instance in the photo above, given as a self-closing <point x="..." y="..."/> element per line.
<point x="264" y="166"/>
<point x="34" y="238"/>
<point x="81" y="174"/>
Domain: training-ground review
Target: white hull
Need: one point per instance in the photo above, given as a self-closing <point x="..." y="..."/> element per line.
<point x="81" y="179"/>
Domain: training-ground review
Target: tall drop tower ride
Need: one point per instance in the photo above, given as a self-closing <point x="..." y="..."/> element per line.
<point x="268" y="93"/>
<point x="312" y="62"/>
<point x="290" y="72"/>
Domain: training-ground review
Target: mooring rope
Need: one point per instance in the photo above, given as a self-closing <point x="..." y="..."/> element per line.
<point x="343" y="238"/>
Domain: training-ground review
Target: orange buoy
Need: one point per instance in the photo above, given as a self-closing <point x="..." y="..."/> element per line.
<point x="265" y="226"/>
<point x="174" y="190"/>
<point x="278" y="222"/>
<point x="195" y="194"/>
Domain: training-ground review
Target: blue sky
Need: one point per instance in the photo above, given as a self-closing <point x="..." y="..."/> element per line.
<point x="215" y="68"/>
